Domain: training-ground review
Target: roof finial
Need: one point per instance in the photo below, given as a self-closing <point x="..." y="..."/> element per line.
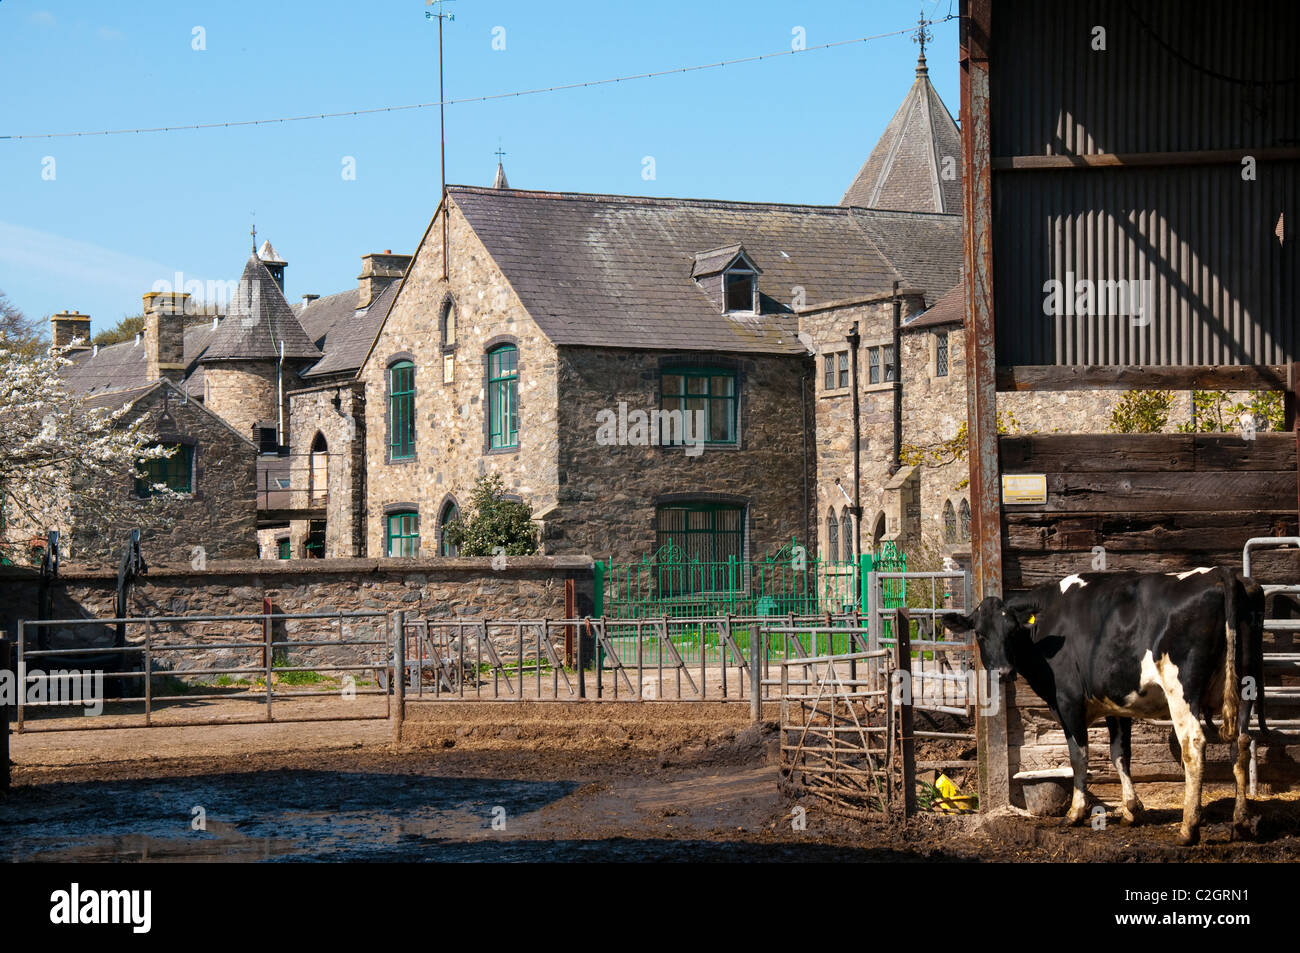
<point x="500" y="181"/>
<point x="922" y="36"/>
<point x="253" y="232"/>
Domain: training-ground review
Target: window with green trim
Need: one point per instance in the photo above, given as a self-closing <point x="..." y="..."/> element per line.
<point x="503" y="396"/>
<point x="174" y="472"/>
<point x="701" y="547"/>
<point x="450" y="513"/>
<point x="401" y="410"/>
<point x="403" y="534"/>
<point x="283" y="548"/>
<point x="691" y="390"/>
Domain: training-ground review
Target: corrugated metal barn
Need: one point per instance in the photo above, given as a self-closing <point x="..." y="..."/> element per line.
<point x="1130" y="172"/>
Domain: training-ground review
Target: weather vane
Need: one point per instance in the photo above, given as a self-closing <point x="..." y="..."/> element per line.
<point x="253" y="231"/>
<point x="922" y="34"/>
<point x="499" y="153"/>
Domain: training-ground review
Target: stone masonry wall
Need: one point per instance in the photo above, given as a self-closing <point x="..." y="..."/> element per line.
<point x="244" y="393"/>
<point x="435" y="589"/>
<point x="344" y="429"/>
<point x="450" y="418"/>
<point x="219" y="515"/>
<point x="608" y="493"/>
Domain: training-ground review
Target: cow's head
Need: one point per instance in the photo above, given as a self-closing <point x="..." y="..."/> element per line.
<point x="997" y="625"/>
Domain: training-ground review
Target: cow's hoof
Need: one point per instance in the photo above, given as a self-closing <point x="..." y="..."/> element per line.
<point x="1189" y="838"/>
<point x="1131" y="815"/>
<point x="1243" y="830"/>
<point x="1074" y="820"/>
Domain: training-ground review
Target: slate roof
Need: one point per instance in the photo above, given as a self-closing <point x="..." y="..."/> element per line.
<point x="925" y="248"/>
<point x="327" y="315"/>
<point x="615" y="271"/>
<point x="950" y="309"/>
<point x="348" y="342"/>
<point x="903" y="170"/>
<point x="258" y="320"/>
<point x="121" y="366"/>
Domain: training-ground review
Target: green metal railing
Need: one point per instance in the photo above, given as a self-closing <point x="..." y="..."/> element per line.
<point x="680" y="586"/>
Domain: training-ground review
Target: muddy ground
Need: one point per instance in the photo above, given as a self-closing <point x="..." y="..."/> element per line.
<point x="499" y="783"/>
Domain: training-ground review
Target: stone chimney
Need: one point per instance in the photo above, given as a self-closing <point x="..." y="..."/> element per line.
<point x="164" y="335"/>
<point x="378" y="271"/>
<point x="67" y="326"/>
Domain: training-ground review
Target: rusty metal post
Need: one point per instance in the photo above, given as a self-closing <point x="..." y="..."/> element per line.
<point x="903" y="647"/>
<point x="570" y="612"/>
<point x="398" y="711"/>
<point x="981" y="361"/>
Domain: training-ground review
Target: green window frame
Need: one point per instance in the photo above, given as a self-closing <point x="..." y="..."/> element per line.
<point x="175" y="472"/>
<point x="284" y="548"/>
<point x="715" y="390"/>
<point x="701" y="547"/>
<point x="503" y="396"/>
<point x="402" y="537"/>
<point x="401" y="411"/>
<point x="450" y="513"/>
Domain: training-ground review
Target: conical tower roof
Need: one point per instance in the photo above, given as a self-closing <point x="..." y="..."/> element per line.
<point x="269" y="255"/>
<point x="908" y="170"/>
<point x="500" y="181"/>
<point x="258" y="320"/>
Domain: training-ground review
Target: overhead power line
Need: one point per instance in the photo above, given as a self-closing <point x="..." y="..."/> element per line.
<point x="471" y="99"/>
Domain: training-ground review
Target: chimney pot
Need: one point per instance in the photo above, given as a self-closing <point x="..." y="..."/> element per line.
<point x="69" y="326"/>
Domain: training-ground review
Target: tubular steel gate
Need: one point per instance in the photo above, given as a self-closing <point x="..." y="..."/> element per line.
<point x="1284" y="657"/>
<point x="134" y="668"/>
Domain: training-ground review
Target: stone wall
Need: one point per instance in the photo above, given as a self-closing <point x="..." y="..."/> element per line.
<point x="827" y="328"/>
<point x="450" y="417"/>
<point x="609" y="493"/>
<point x="219" y="515"/>
<point x="313" y="412"/>
<point x="246" y="393"/>
<point x="435" y="589"/>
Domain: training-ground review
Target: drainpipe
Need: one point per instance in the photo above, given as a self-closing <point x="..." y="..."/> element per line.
<point x="279" y="402"/>
<point x="898" y="385"/>
<point x="855" y="340"/>
<point x="803" y="403"/>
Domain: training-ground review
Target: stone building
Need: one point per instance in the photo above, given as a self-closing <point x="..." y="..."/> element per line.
<point x="639" y="370"/>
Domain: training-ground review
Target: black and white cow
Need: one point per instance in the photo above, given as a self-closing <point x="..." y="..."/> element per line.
<point x="1124" y="645"/>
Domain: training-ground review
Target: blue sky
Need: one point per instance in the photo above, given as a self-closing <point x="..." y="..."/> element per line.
<point x="122" y="212"/>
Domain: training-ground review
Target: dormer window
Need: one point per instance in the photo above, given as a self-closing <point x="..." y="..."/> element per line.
<point x="741" y="289"/>
<point x="729" y="276"/>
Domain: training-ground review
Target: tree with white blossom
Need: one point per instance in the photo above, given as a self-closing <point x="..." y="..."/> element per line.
<point x="64" y="463"/>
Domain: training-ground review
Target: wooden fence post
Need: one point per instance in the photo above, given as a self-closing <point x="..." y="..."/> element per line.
<point x="903" y="646"/>
<point x="756" y="672"/>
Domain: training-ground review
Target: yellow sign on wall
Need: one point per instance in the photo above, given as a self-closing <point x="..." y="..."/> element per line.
<point x="1024" y="488"/>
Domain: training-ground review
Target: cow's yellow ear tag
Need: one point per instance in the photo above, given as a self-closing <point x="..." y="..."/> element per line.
<point x="1033" y="619"/>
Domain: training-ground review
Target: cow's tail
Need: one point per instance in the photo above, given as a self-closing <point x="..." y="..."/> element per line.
<point x="1231" y="682"/>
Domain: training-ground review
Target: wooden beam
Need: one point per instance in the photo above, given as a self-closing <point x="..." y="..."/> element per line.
<point x="1054" y="377"/>
<point x="981" y="390"/>
<point x="1156" y="453"/>
<point x="1179" y="492"/>
<point x="1107" y="160"/>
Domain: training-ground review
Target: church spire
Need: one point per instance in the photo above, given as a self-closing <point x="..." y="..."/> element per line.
<point x="500" y="181"/>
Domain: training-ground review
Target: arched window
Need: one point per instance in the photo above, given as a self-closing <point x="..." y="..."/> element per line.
<point x="878" y="535"/>
<point x="963" y="518"/>
<point x="447" y="323"/>
<point x="832" y="536"/>
<point x="401" y="411"/>
<point x="318" y="476"/>
<point x="949" y="522"/>
<point x="450" y="513"/>
<point x="503" y="396"/>
<point x="846" y="534"/>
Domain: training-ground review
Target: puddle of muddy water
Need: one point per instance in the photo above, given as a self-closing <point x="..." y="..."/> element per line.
<point x="277" y="815"/>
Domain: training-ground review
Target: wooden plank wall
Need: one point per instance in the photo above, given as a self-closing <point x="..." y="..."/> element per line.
<point x="1155" y="502"/>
